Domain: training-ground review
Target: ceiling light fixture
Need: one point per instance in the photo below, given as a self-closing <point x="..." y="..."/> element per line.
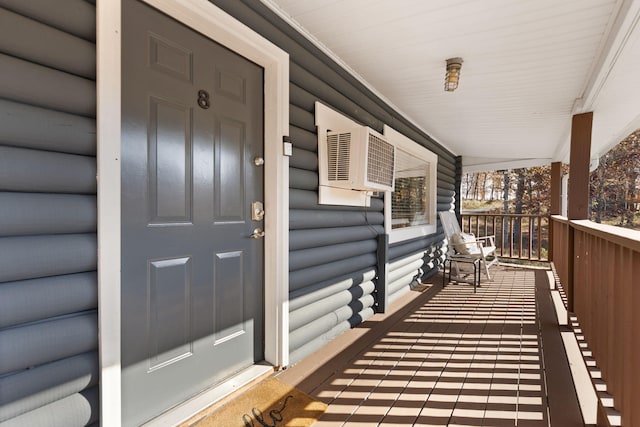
<point x="452" y="77"/>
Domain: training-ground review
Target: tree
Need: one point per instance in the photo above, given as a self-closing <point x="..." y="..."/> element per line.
<point x="613" y="185"/>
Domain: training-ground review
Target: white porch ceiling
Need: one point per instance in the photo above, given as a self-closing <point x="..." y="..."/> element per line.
<point x="529" y="65"/>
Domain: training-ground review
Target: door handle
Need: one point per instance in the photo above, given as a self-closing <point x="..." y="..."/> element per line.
<point x="257" y="234"/>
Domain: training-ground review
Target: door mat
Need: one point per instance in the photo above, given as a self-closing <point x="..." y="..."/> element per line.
<point x="270" y="403"/>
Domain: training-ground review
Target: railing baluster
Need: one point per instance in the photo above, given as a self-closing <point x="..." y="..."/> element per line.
<point x="526" y="244"/>
<point x="509" y="220"/>
<point x="531" y="228"/>
<point x="504" y="231"/>
<point x="522" y="229"/>
<point x="520" y="236"/>
<point x="493" y="229"/>
<point x="485" y="225"/>
<point x="539" y="234"/>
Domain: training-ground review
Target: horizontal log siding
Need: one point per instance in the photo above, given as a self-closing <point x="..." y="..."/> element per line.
<point x="326" y="242"/>
<point x="48" y="246"/>
<point x="333" y="248"/>
<point x="430" y="255"/>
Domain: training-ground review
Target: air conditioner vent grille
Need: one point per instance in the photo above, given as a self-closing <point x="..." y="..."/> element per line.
<point x="380" y="161"/>
<point x="338" y="156"/>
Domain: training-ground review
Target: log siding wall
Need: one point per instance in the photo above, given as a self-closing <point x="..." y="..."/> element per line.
<point x="48" y="249"/>
<point x="333" y="249"/>
<point x="48" y="245"/>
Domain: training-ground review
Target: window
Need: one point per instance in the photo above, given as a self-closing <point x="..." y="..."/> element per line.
<point x="410" y="211"/>
<point x="410" y="201"/>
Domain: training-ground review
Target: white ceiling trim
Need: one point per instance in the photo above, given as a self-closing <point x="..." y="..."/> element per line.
<point x="622" y="31"/>
<point x="625" y="25"/>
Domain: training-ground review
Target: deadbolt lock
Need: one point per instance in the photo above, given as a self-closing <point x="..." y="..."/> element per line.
<point x="257" y="211"/>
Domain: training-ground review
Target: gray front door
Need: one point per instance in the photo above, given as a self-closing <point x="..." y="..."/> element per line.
<point x="192" y="277"/>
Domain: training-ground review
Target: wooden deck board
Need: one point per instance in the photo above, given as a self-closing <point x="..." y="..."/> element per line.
<point x="449" y="357"/>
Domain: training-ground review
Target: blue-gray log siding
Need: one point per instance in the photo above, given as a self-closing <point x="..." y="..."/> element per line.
<point x="48" y="293"/>
<point x="333" y="263"/>
<point x="48" y="250"/>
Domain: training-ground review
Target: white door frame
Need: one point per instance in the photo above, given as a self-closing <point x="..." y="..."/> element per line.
<point x="214" y="23"/>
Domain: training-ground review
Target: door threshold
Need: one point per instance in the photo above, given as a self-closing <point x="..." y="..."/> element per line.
<point x="189" y="411"/>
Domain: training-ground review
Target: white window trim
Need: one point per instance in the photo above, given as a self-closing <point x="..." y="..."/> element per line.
<point x="214" y="23"/>
<point x="413" y="148"/>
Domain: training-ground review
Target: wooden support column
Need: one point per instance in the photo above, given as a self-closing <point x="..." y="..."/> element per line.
<point x="556" y="188"/>
<point x="578" y="197"/>
<point x="556" y="200"/>
<point x="580" y="156"/>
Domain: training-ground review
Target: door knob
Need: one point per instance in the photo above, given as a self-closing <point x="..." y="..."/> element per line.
<point x="257" y="234"/>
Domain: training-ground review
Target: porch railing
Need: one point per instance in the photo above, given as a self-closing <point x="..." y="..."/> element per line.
<point x="561" y="252"/>
<point x="601" y="266"/>
<point x="523" y="237"/>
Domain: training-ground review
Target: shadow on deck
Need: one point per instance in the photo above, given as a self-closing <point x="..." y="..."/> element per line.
<point x="449" y="357"/>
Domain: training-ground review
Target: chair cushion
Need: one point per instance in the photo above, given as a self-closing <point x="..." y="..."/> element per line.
<point x="465" y="243"/>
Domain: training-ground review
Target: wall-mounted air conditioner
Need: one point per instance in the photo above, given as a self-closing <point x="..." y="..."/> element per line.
<point x="359" y="159"/>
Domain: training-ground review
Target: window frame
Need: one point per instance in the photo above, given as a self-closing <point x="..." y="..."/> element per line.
<point x="412" y="148"/>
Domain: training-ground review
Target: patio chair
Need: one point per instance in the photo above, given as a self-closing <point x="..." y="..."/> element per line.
<point x="466" y="246"/>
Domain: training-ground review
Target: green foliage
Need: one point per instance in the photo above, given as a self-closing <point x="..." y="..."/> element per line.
<point x="614" y="184"/>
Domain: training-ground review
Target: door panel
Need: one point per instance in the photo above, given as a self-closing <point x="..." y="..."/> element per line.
<point x="229" y="314"/>
<point x="228" y="188"/>
<point x="169" y="161"/>
<point x="192" y="278"/>
<point x="169" y="311"/>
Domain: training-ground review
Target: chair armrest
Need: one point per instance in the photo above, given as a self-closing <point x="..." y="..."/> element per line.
<point x="463" y="258"/>
<point x="482" y="241"/>
<point x="490" y="238"/>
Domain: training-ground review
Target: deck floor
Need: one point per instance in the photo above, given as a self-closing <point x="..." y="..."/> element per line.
<point x="449" y="357"/>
